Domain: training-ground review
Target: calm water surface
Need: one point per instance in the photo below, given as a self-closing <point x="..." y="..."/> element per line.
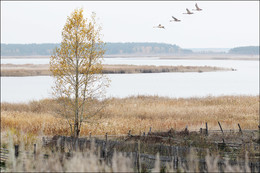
<point x="244" y="81"/>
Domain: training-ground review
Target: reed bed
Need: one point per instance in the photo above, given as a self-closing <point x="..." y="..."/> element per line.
<point x="159" y="69"/>
<point x="43" y="69"/>
<point x="47" y="160"/>
<point x="138" y="114"/>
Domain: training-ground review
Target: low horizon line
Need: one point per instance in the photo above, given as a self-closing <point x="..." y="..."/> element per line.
<point x="153" y="42"/>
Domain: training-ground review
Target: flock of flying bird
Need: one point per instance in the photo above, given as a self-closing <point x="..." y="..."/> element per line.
<point x="177" y="20"/>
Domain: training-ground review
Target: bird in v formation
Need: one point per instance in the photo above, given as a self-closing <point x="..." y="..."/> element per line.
<point x="177" y="20"/>
<point x="159" y="26"/>
<point x="197" y="8"/>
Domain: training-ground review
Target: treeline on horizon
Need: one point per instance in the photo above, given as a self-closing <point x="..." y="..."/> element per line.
<point x="111" y="49"/>
<point x="115" y="49"/>
<point x="251" y="50"/>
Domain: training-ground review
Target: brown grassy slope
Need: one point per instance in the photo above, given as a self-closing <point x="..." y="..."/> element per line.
<point x="139" y="114"/>
<point x="43" y="69"/>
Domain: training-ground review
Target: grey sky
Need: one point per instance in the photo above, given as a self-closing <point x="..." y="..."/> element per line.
<point x="221" y="24"/>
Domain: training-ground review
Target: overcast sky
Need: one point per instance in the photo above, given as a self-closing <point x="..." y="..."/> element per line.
<point x="220" y="24"/>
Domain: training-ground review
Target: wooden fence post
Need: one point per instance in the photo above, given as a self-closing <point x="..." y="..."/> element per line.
<point x="129" y="133"/>
<point x="170" y="152"/>
<point x="16" y="151"/>
<point x="177" y="158"/>
<point x="207" y="133"/>
<point x="259" y="133"/>
<point x="62" y="144"/>
<point x="150" y="131"/>
<point x="86" y="144"/>
<point x="222" y="133"/>
<point x="240" y="130"/>
<point x="89" y="135"/>
<point x="174" y="157"/>
<point x="34" y="150"/>
<point x="106" y="147"/>
<point x="220" y="127"/>
<point x="76" y="144"/>
<point x="138" y="161"/>
<point x="43" y="141"/>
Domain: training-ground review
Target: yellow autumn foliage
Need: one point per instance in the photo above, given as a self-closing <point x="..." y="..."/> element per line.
<point x="76" y="67"/>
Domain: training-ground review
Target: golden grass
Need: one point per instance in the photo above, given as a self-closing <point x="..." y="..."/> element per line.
<point x="158" y="69"/>
<point x="138" y="114"/>
<point x="43" y="69"/>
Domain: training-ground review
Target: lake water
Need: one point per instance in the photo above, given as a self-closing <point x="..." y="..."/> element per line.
<point x="244" y="81"/>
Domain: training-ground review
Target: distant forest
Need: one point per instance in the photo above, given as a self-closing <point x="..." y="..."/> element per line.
<point x="111" y="49"/>
<point x="116" y="49"/>
<point x="249" y="50"/>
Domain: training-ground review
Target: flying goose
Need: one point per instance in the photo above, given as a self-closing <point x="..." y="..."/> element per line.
<point x="159" y="26"/>
<point x="188" y="11"/>
<point x="197" y="8"/>
<point x="175" y="20"/>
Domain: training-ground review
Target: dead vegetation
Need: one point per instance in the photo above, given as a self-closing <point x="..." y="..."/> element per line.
<point x="26" y="124"/>
<point x="143" y="153"/>
<point x="45" y="160"/>
<point x="43" y="69"/>
<point x="138" y="114"/>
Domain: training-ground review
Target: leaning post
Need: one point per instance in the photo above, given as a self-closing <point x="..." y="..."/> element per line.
<point x="220" y="127"/>
<point x="240" y="130"/>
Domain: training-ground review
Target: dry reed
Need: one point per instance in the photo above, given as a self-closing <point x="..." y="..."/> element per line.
<point x="43" y="69"/>
<point x="138" y="114"/>
<point x="90" y="161"/>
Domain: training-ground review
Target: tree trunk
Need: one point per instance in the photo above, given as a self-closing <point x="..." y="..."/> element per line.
<point x="76" y="126"/>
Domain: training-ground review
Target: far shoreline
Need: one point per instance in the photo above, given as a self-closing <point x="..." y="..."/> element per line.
<point x="161" y="56"/>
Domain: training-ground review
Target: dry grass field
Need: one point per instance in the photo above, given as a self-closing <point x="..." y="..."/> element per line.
<point x="43" y="69"/>
<point x="136" y="113"/>
<point x="25" y="124"/>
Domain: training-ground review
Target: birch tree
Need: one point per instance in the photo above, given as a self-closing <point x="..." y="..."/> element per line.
<point x="77" y="69"/>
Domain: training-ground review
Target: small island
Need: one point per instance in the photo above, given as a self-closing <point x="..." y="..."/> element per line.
<point x="43" y="69"/>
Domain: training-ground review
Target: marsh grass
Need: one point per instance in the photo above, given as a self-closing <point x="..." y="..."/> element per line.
<point x="138" y="114"/>
<point x="90" y="161"/>
<point x="43" y="69"/>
